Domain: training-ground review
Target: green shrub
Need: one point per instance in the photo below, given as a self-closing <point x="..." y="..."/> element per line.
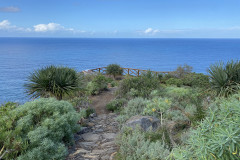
<point x="225" y="78"/>
<point x="182" y="71"/>
<point x="109" y="80"/>
<point x="114" y="84"/>
<point x="176" y="115"/>
<point x="52" y="81"/>
<point x="6" y="123"/>
<point x="83" y="113"/>
<point x="80" y="102"/>
<point x="38" y="130"/>
<point x="136" y="145"/>
<point x="196" y="80"/>
<point x="116" y="104"/>
<point x="134" y="107"/>
<point x="166" y="77"/>
<point x="89" y="111"/>
<point x="157" y="106"/>
<point x="142" y="85"/>
<point x="218" y="136"/>
<point x="174" y="81"/>
<point x="98" y="84"/>
<point x="178" y="93"/>
<point x="114" y="69"/>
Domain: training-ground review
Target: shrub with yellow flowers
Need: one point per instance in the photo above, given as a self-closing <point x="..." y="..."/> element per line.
<point x="157" y="107"/>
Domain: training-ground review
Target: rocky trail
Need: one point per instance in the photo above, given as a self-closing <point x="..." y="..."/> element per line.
<point x="96" y="141"/>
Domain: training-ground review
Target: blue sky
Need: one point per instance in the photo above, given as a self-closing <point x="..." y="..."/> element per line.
<point x="120" y="18"/>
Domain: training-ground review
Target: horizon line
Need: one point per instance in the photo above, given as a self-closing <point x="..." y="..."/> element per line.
<point x="123" y="37"/>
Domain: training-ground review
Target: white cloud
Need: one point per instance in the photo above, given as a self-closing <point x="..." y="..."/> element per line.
<point x="5" y="24"/>
<point x="52" y="27"/>
<point x="49" y="27"/>
<point x="151" y="31"/>
<point x="9" y="9"/>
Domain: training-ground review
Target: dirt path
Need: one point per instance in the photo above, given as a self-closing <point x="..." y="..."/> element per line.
<point x="96" y="141"/>
<point x="100" y="101"/>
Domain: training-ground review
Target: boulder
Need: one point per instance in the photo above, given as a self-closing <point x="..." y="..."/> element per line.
<point x="145" y="122"/>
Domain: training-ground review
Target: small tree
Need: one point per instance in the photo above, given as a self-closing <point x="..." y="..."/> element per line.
<point x="52" y="81"/>
<point x="114" y="69"/>
<point x="182" y="71"/>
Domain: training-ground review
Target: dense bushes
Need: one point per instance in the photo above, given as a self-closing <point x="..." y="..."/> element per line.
<point x="114" y="69"/>
<point x="225" y="78"/>
<point x="137" y="145"/>
<point x="196" y="80"/>
<point x="116" y="104"/>
<point x="217" y="137"/>
<point x="141" y="86"/>
<point x="134" y="107"/>
<point x="174" y="81"/>
<point x="184" y="76"/>
<point x="182" y="71"/>
<point x="52" y="81"/>
<point x="98" y="84"/>
<point x="38" y="130"/>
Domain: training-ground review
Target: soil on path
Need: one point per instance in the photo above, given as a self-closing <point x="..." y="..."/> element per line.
<point x="100" y="101"/>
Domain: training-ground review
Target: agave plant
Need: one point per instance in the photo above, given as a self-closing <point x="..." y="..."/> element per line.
<point x="225" y="78"/>
<point x="52" y="81"/>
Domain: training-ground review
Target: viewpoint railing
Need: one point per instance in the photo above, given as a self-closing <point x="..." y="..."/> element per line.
<point x="129" y="71"/>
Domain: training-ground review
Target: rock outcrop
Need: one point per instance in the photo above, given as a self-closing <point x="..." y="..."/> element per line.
<point x="145" y="122"/>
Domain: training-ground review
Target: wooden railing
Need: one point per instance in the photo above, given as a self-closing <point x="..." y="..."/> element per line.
<point x="128" y="71"/>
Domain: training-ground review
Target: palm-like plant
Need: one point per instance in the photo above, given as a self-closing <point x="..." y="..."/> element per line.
<point x="225" y="78"/>
<point x="52" y="81"/>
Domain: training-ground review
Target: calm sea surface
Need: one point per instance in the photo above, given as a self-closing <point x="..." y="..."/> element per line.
<point x="20" y="56"/>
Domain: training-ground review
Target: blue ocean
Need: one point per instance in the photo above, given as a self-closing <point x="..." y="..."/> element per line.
<point x="21" y="56"/>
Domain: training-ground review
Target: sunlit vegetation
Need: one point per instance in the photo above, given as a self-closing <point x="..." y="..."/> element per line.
<point x="198" y="113"/>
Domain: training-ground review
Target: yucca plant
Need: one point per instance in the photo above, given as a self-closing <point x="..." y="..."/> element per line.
<point x="225" y="78"/>
<point x="52" y="81"/>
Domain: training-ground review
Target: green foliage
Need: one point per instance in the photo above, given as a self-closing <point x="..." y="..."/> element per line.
<point x="176" y="115"/>
<point x="80" y="102"/>
<point x="38" y="130"/>
<point x="114" y="83"/>
<point x="116" y="104"/>
<point x="218" y="136"/>
<point x="178" y="93"/>
<point x="142" y="85"/>
<point x="89" y="111"/>
<point x="196" y="80"/>
<point x="157" y="105"/>
<point x="114" y="69"/>
<point x="52" y="81"/>
<point x="98" y="84"/>
<point x="182" y="71"/>
<point x="166" y="77"/>
<point x="135" y="145"/>
<point x="134" y="107"/>
<point x="6" y="122"/>
<point x="174" y="81"/>
<point x="83" y="113"/>
<point x="225" y="78"/>
<point x="162" y="134"/>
